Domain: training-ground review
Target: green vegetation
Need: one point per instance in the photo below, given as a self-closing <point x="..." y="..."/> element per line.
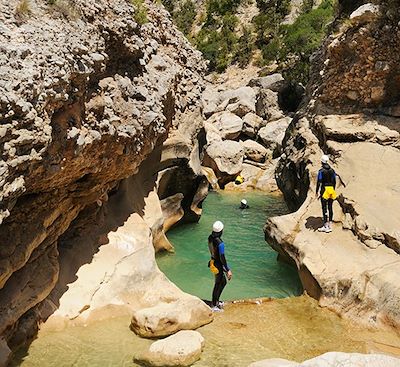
<point x="140" y="11"/>
<point x="184" y="17"/>
<point x="302" y="38"/>
<point x="245" y="48"/>
<point x="223" y="43"/>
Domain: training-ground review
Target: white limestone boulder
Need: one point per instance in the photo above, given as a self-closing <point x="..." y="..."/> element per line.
<point x="273" y="82"/>
<point x="254" y="151"/>
<point x="167" y="318"/>
<point x="225" y="158"/>
<point x="226" y="124"/>
<point x="365" y="13"/>
<point x="273" y="133"/>
<point x="251" y="124"/>
<point x="239" y="101"/>
<point x="181" y="349"/>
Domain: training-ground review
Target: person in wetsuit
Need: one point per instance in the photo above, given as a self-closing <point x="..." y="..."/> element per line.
<point x="243" y="204"/>
<point x="326" y="183"/>
<point x="217" y="251"/>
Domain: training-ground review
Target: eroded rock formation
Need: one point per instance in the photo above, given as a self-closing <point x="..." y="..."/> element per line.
<point x="350" y="115"/>
<point x="86" y="93"/>
<point x="244" y="129"/>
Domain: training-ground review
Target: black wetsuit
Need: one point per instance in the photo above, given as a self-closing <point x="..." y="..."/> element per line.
<point x="244" y="206"/>
<point x="326" y="177"/>
<point x="217" y="251"/>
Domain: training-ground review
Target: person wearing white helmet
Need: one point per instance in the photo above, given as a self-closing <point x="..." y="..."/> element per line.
<point x="243" y="204"/>
<point x="326" y="183"/>
<point x="218" y="264"/>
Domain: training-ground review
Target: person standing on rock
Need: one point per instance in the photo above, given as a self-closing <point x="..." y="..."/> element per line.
<point x="218" y="264"/>
<point x="326" y="183"/>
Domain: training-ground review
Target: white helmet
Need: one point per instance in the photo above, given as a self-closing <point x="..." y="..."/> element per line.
<point x="218" y="226"/>
<point x="324" y="159"/>
<point x="244" y="201"/>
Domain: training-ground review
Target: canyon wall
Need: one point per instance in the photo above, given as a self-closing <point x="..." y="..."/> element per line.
<point x="87" y="92"/>
<point x="351" y="113"/>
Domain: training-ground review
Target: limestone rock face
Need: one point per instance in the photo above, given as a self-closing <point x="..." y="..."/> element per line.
<point x="181" y="349"/>
<point x="354" y="269"/>
<point x="358" y="67"/>
<point x="85" y="96"/>
<point x="239" y="101"/>
<point x="225" y="158"/>
<point x="229" y="125"/>
<point x="254" y="151"/>
<point x="273" y="133"/>
<point x="335" y="359"/>
<point x="251" y="124"/>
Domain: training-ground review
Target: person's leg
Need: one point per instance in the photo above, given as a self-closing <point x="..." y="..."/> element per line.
<point x="217" y="285"/>
<point x="324" y="205"/>
<point x="324" y="210"/>
<point x="220" y="282"/>
<point x="221" y="288"/>
<point x="330" y="210"/>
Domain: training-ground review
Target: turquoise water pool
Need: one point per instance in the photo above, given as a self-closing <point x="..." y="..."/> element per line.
<point x="256" y="272"/>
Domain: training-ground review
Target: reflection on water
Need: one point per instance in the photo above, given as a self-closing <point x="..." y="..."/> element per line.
<point x="256" y="271"/>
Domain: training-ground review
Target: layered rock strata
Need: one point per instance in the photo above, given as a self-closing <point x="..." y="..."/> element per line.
<point x="86" y="93"/>
<point x="352" y="270"/>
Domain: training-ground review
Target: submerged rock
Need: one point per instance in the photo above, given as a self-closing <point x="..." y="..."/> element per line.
<point x="181" y="349"/>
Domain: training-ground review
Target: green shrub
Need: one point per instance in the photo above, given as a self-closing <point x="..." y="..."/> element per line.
<point x="185" y="16"/>
<point x="272" y="51"/>
<point x="245" y="48"/>
<point x="303" y="37"/>
<point x="169" y="5"/>
<point x="140" y="11"/>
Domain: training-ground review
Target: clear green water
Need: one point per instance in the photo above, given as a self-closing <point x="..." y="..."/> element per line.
<point x="256" y="272"/>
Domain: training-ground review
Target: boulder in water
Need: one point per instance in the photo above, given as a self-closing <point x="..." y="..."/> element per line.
<point x="167" y="318"/>
<point x="182" y="349"/>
